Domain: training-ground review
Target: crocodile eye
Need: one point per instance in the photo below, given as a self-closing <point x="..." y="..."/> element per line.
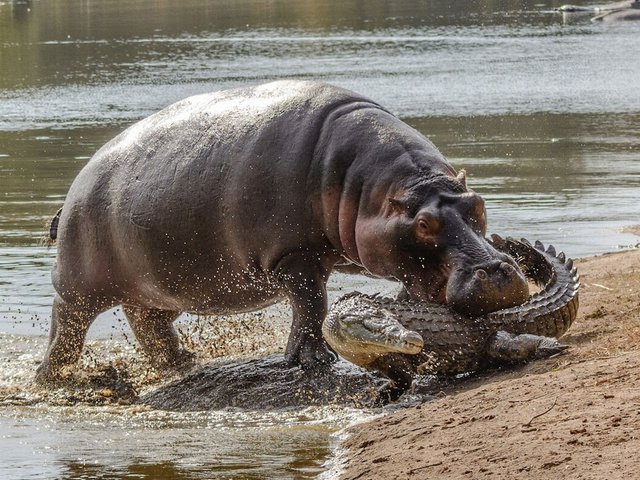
<point x="348" y="319"/>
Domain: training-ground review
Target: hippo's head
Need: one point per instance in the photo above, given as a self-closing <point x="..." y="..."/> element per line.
<point x="431" y="237"/>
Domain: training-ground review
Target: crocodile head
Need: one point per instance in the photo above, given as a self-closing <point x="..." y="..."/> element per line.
<point x="361" y="336"/>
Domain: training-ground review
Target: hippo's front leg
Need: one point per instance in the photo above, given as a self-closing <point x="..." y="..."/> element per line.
<point x="304" y="281"/>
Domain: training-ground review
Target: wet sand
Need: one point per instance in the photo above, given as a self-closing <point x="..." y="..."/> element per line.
<point x="573" y="416"/>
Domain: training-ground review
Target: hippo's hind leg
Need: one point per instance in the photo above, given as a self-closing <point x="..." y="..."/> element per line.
<point x="69" y="325"/>
<point x="154" y="331"/>
<point x="304" y="280"/>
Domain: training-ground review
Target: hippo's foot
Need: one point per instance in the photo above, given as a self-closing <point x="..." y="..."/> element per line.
<point x="158" y="338"/>
<point x="69" y="324"/>
<point x="47" y="376"/>
<point x="311" y="355"/>
<point x="181" y="362"/>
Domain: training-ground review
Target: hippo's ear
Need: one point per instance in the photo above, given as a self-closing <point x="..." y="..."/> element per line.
<point x="462" y="177"/>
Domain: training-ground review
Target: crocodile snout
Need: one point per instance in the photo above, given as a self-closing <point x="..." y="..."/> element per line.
<point x="412" y="341"/>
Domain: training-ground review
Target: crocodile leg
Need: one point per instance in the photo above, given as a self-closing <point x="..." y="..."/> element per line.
<point x="506" y="347"/>
<point x="397" y="368"/>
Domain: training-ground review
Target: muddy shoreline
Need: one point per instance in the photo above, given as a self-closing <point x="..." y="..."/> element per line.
<point x="575" y="415"/>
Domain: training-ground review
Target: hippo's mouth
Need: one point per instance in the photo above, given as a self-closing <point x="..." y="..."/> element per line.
<point x="440" y="284"/>
<point x="494" y="283"/>
<point x="433" y="283"/>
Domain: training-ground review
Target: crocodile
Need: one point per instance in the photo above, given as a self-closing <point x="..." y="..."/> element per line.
<point x="400" y="338"/>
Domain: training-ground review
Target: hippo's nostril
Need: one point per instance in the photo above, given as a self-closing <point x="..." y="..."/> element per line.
<point x="480" y="274"/>
<point x="507" y="268"/>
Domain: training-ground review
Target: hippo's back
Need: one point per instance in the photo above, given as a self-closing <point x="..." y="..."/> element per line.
<point x="216" y="182"/>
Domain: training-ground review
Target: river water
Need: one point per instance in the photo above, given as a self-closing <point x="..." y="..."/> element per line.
<point x="542" y="110"/>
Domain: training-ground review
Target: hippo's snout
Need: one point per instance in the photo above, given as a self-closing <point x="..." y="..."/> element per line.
<point x="487" y="287"/>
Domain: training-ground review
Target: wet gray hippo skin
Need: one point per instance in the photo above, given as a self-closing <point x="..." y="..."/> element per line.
<point x="231" y="201"/>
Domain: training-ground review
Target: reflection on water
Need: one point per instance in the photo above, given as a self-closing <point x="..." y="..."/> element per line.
<point x="97" y="443"/>
<point x="567" y="179"/>
<point x="124" y="443"/>
<point x="437" y="58"/>
<point x="542" y="113"/>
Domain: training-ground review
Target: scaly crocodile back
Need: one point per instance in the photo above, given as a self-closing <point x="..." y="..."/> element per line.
<point x="549" y="312"/>
<point x="552" y="310"/>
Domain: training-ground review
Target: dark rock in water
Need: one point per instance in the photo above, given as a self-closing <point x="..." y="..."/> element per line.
<point x="267" y="384"/>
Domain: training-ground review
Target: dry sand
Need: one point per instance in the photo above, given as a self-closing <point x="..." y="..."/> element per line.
<point x="576" y="416"/>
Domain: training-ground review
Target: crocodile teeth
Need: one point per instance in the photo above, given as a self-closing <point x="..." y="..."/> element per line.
<point x="551" y="250"/>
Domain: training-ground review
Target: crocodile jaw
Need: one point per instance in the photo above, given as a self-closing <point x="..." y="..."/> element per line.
<point x="362" y="338"/>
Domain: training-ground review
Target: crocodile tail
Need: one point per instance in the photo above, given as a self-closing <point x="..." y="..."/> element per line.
<point x="551" y="311"/>
<point x="53" y="227"/>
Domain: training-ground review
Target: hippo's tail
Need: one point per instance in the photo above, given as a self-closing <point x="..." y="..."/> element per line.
<point x="50" y="239"/>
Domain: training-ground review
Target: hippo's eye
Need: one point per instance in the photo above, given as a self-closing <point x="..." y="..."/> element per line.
<point x="427" y="227"/>
<point x="479" y="215"/>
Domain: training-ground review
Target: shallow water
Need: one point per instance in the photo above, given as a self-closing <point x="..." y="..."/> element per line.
<point x="63" y="442"/>
<point x="80" y="433"/>
<point x="541" y="109"/>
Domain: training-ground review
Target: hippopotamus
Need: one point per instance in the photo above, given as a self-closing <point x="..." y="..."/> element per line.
<point x="230" y="201"/>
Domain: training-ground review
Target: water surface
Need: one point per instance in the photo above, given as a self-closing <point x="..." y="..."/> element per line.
<point x="542" y="110"/>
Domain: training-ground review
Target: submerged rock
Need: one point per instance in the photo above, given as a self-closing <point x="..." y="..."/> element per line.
<point x="267" y="383"/>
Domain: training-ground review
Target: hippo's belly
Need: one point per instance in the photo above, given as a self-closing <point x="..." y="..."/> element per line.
<point x="186" y="291"/>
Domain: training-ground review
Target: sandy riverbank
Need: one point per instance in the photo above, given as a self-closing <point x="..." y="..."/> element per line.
<point x="573" y="416"/>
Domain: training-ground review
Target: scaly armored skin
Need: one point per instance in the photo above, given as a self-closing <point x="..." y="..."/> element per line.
<point x="401" y="337"/>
